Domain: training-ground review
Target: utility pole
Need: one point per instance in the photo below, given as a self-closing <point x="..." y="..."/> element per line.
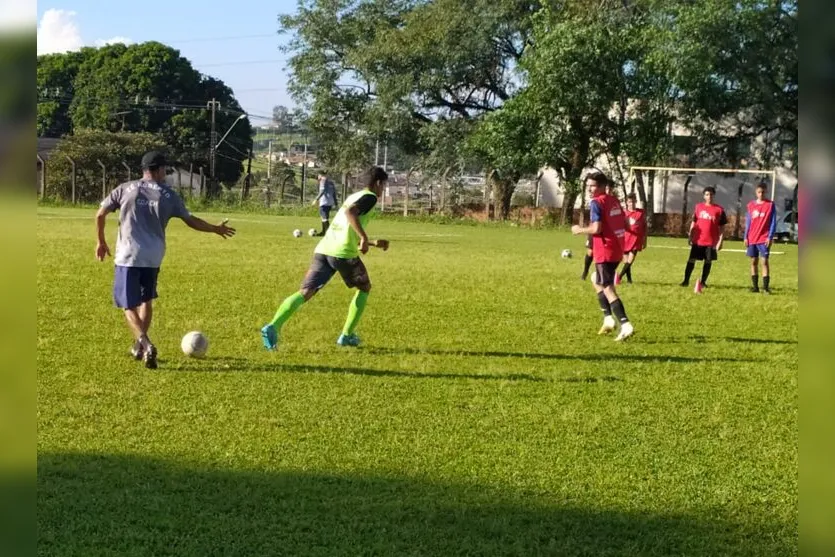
<point x="269" y="160"/>
<point x="212" y="105"/>
<point x="248" y="181"/>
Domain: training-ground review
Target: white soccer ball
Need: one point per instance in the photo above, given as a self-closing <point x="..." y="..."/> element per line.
<point x="297" y="233"/>
<point x="566" y="253"/>
<point x="312" y="232"/>
<point x="195" y="344"/>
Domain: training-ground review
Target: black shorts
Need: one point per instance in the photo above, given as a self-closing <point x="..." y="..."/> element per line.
<point x="701" y="253"/>
<point x="589" y="241"/>
<point x="605" y="273"/>
<point x="323" y="267"/>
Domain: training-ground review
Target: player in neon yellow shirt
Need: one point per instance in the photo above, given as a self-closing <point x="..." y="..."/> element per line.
<point x="338" y="251"/>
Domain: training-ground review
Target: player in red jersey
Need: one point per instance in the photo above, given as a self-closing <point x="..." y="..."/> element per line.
<point x="760" y="225"/>
<point x="589" y="258"/>
<point x="607" y="229"/>
<point x="705" y="237"/>
<point x="635" y="238"/>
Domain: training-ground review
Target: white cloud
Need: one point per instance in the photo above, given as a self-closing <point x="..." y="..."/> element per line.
<point x="114" y="40"/>
<point x="58" y="32"/>
<point x="18" y="14"/>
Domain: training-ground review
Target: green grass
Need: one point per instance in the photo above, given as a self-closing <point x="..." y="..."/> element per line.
<point x="481" y="416"/>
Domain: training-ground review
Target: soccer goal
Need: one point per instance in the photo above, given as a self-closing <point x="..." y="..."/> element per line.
<point x="669" y="194"/>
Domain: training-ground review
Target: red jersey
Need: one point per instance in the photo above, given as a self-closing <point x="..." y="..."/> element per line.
<point x="708" y="221"/>
<point x="636" y="230"/>
<point x="607" y="245"/>
<point x="761" y="222"/>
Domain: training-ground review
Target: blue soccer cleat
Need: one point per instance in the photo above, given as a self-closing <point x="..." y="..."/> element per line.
<point x="348" y="340"/>
<point x="270" y="337"/>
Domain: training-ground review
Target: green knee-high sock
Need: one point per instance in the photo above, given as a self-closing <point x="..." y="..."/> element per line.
<point x="355" y="312"/>
<point x="287" y="308"/>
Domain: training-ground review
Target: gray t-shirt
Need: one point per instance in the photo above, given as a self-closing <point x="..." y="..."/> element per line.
<point x="144" y="211"/>
<point x="328" y="191"/>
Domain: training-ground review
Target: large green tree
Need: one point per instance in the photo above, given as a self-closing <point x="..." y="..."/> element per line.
<point x="389" y="67"/>
<point x="146" y="87"/>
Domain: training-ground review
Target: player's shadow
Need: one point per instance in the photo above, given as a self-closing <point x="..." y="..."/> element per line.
<point x="663" y="358"/>
<point x="228" y="364"/>
<point x="96" y="504"/>
<point x="760" y="340"/>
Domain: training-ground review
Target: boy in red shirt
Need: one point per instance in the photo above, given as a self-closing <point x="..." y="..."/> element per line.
<point x="760" y="225"/>
<point x="607" y="229"/>
<point x="589" y="258"/>
<point x="705" y="237"/>
<point x="634" y="239"/>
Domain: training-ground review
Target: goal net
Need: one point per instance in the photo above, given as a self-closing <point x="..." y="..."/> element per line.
<point x="669" y="195"/>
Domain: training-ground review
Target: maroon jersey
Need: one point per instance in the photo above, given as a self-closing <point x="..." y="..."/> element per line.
<point x="607" y="245"/>
<point x="708" y="220"/>
<point x="636" y="230"/>
<point x="761" y="222"/>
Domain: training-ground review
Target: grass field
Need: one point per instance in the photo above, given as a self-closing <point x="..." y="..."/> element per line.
<point x="481" y="416"/>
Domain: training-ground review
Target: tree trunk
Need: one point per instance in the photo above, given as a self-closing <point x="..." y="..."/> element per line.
<point x="650" y="207"/>
<point x="502" y="193"/>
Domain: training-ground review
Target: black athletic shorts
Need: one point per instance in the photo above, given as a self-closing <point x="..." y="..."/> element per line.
<point x="589" y="241"/>
<point x="701" y="253"/>
<point x="323" y="267"/>
<point x="605" y="273"/>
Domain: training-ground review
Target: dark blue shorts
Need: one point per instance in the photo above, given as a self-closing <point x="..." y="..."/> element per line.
<point x="132" y="286"/>
<point x="325" y="212"/>
<point x="757" y="250"/>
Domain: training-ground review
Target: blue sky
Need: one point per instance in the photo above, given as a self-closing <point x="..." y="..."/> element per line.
<point x="250" y="63"/>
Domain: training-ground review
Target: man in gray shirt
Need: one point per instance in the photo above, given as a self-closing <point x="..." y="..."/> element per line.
<point x="327" y="200"/>
<point x="145" y="207"/>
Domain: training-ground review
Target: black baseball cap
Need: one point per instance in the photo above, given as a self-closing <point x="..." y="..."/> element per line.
<point x="154" y="159"/>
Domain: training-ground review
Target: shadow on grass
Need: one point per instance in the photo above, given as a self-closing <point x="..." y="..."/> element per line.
<point x="761" y="340"/>
<point x="225" y="364"/>
<point x="92" y="504"/>
<point x="541" y="356"/>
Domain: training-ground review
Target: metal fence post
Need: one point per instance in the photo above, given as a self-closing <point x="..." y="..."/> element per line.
<point x="72" y="178"/>
<point x="103" y="179"/>
<point x="43" y="176"/>
<point x="126" y="168"/>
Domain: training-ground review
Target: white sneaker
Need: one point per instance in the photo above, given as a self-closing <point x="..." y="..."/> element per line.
<point x="626" y="331"/>
<point x="608" y="325"/>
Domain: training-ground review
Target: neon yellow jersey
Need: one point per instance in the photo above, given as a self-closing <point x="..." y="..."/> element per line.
<point x="341" y="240"/>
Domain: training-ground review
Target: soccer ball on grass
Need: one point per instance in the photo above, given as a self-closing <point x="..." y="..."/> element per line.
<point x="297" y="233"/>
<point x="312" y="232"/>
<point x="566" y="254"/>
<point x="195" y="344"/>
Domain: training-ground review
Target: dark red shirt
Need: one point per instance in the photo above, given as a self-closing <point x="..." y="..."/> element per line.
<point x="636" y="230"/>
<point x="607" y="244"/>
<point x="708" y="220"/>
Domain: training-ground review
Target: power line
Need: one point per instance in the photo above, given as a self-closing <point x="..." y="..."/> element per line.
<point x="227" y="38"/>
<point x="241" y="63"/>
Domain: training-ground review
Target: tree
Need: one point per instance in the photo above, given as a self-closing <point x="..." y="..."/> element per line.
<point x="389" y="67"/>
<point x="87" y="148"/>
<point x="504" y="142"/>
<point x="283" y="118"/>
<point x="146" y="87"/>
<point x="56" y="88"/>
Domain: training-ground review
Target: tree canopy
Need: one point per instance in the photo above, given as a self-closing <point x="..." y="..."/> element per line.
<point x="147" y="87"/>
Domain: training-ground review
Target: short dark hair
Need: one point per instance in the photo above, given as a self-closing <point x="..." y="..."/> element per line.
<point x="323" y="172"/>
<point x="761" y="186"/>
<point x="632" y="196"/>
<point x="599" y="178"/>
<point x="376" y="174"/>
<point x="710" y="189"/>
